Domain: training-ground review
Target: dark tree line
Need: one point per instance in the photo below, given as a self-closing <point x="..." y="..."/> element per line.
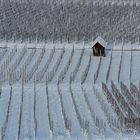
<point x="44" y="20"/>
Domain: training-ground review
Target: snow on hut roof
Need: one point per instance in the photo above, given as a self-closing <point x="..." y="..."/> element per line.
<point x="101" y="41"/>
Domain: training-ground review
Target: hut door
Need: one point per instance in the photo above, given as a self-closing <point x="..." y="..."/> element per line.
<point x="95" y="51"/>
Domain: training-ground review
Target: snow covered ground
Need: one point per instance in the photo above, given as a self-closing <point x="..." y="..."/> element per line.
<point x="64" y="103"/>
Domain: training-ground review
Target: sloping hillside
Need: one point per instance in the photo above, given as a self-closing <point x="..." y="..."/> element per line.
<point x="65" y="92"/>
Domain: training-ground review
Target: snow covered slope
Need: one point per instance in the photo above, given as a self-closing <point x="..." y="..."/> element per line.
<point x="64" y="92"/>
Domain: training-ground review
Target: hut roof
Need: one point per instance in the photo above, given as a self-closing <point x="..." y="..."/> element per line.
<point x="100" y="41"/>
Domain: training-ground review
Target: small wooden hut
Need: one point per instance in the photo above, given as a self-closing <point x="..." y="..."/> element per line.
<point x="99" y="46"/>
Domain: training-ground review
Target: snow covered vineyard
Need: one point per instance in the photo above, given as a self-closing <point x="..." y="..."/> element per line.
<point x="61" y="91"/>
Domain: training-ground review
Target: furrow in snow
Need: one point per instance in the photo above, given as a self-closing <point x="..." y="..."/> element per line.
<point x="53" y="63"/>
<point x="14" y="114"/>
<point x="126" y="64"/>
<point x="62" y="64"/>
<point x="69" y="110"/>
<point x="83" y="109"/>
<point x="57" y="119"/>
<point x="41" y="113"/>
<point x="4" y="102"/>
<point x="84" y="63"/>
<point x="27" y="119"/>
<point x="102" y="75"/>
<point x="74" y="61"/>
<point x="93" y="68"/>
<point x="114" y="71"/>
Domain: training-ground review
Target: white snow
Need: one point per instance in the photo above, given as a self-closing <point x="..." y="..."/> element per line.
<point x="126" y="64"/>
<point x="103" y="69"/>
<point x="114" y="70"/>
<point x="101" y="41"/>
<point x="12" y="130"/>
<point x="41" y="109"/>
<point x="27" y="129"/>
<point x="64" y="109"/>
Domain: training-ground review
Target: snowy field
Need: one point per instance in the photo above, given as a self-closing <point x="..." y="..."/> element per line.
<point x="51" y="85"/>
<point x="60" y="91"/>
